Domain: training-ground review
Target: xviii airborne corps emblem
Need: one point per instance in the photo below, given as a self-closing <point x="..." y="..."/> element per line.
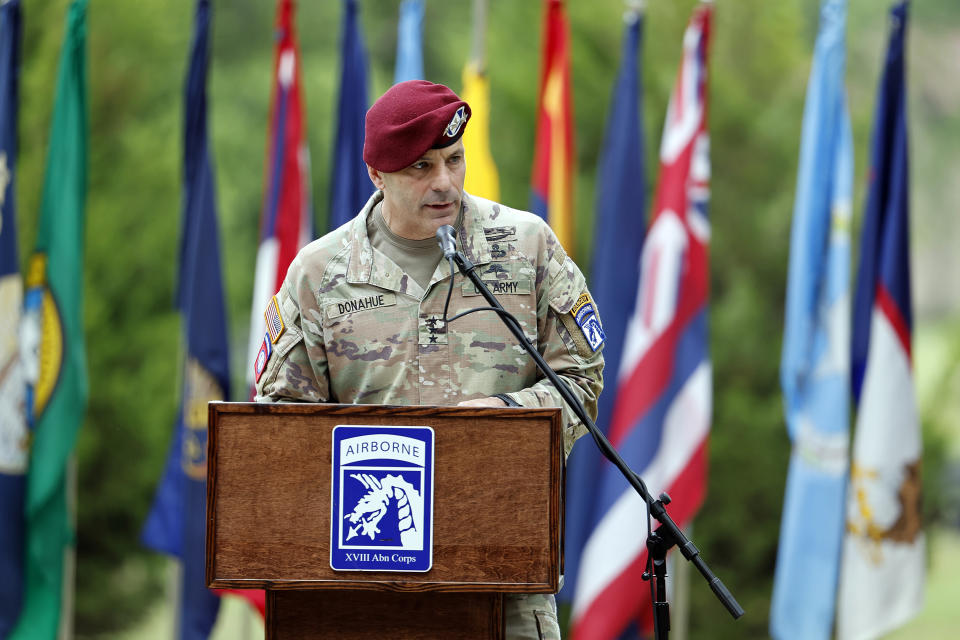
<point x="382" y="499"/>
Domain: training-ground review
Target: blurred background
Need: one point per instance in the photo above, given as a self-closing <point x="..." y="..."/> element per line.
<point x="759" y="66"/>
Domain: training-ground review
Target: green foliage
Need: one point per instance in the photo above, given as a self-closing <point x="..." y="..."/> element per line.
<point x="138" y="57"/>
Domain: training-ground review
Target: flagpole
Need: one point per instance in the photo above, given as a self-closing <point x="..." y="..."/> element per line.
<point x="635" y="7"/>
<point x="478" y="55"/>
<point x="68" y="590"/>
<point x="174" y="587"/>
<point x="681" y="594"/>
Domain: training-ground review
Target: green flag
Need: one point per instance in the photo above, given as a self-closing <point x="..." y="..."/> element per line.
<point x="53" y="334"/>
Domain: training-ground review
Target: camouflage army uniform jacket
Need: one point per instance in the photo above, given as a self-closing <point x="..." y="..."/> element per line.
<point x="359" y="330"/>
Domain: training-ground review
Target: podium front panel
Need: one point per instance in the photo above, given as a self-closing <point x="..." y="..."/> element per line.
<point x="496" y="508"/>
<point x="373" y="615"/>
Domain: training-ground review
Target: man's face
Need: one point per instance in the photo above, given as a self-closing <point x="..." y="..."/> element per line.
<point x="426" y="195"/>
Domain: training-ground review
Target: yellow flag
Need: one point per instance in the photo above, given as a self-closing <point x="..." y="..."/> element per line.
<point x="482" y="179"/>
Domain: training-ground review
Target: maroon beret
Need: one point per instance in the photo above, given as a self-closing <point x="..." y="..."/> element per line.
<point x="408" y="120"/>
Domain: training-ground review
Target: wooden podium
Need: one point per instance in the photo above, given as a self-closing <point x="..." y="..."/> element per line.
<point x="497" y="519"/>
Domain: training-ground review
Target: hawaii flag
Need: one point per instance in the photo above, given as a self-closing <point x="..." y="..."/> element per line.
<point x="882" y="575"/>
<point x="661" y="415"/>
<point x="286" y="223"/>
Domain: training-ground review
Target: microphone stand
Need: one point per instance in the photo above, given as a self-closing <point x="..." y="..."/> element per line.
<point x="668" y="533"/>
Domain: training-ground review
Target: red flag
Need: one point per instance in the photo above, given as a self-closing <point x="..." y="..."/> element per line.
<point x="287" y="220"/>
<point x="286" y="223"/>
<point x="552" y="189"/>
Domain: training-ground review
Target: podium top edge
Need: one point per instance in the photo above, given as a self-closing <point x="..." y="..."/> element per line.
<point x="313" y="408"/>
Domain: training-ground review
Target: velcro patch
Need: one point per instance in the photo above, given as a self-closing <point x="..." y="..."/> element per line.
<point x="365" y="303"/>
<point x="586" y="318"/>
<point x="263" y="357"/>
<point x="499" y="287"/>
<point x="275" y="325"/>
<point x="498" y="234"/>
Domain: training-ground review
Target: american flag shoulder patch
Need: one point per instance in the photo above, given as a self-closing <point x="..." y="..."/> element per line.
<point x="275" y="326"/>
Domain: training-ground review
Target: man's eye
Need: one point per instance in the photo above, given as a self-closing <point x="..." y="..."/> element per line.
<point x="455" y="159"/>
<point x="419" y="165"/>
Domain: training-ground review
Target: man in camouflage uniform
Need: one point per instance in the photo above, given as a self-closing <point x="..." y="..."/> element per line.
<point x="362" y="307"/>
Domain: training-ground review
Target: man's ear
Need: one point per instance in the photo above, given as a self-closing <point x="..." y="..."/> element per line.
<point x="375" y="177"/>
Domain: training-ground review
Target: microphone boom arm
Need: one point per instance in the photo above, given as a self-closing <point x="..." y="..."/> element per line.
<point x="668" y="529"/>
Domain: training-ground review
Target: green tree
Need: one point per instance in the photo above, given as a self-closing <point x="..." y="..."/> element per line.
<point x="137" y="60"/>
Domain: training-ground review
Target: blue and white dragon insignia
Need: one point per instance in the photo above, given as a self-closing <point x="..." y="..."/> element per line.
<point x="375" y="503"/>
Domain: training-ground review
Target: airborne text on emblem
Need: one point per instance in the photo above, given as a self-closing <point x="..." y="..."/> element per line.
<point x="382" y="498"/>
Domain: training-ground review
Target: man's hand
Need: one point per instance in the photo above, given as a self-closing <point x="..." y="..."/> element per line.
<point x="483" y="402"/>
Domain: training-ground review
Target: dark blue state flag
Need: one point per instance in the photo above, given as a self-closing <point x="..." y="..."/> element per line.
<point x="176" y="524"/>
<point x="350" y="186"/>
<point x="13" y="423"/>
<point x="615" y="273"/>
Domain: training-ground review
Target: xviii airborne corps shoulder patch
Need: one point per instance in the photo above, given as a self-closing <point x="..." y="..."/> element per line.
<point x="586" y="318"/>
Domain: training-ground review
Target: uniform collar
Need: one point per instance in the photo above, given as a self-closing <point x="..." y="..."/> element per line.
<point x="372" y="267"/>
<point x="472" y="241"/>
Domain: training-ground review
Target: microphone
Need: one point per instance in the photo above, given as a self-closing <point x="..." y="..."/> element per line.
<point x="447" y="240"/>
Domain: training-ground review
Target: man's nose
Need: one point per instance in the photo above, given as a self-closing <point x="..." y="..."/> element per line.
<point x="442" y="178"/>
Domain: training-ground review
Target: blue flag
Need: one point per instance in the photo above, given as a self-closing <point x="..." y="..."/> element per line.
<point x="176" y="523"/>
<point x="814" y="366"/>
<point x="409" y="65"/>
<point x="350" y="186"/>
<point x="885" y="247"/>
<point x="615" y="275"/>
<point x="13" y="423"/>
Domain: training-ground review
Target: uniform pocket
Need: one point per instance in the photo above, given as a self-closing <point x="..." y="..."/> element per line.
<point x="485" y="355"/>
<point x="371" y="352"/>
<point x="548" y="627"/>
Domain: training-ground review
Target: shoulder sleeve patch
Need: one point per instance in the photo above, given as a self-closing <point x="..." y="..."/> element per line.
<point x="582" y="324"/>
<point x="263" y="356"/>
<point x="585" y="316"/>
<point x="275" y="324"/>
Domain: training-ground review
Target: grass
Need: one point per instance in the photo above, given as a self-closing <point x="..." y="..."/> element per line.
<point x="940" y="617"/>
